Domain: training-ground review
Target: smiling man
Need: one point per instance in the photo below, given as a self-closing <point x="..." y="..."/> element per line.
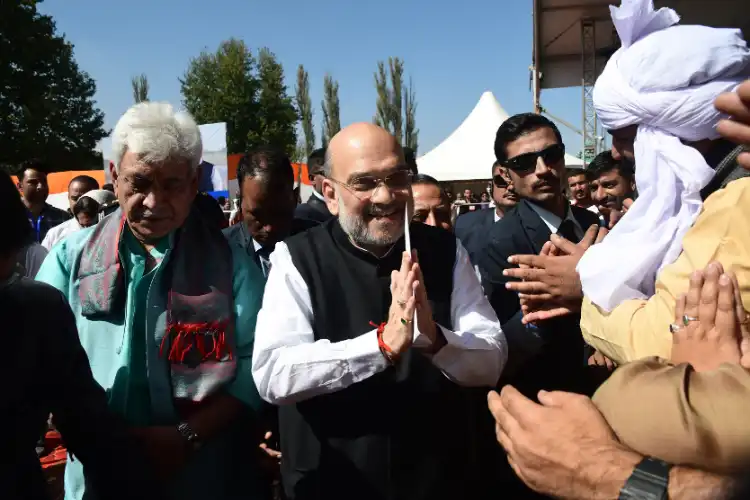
<point x="364" y="345"/>
<point x="152" y="287"/>
<point x="431" y="205"/>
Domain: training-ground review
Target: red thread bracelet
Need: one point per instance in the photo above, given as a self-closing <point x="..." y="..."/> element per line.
<point x="384" y="348"/>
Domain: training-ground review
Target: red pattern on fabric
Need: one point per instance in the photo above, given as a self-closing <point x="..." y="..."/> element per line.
<point x="185" y="337"/>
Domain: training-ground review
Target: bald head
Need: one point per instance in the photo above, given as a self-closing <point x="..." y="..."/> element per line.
<point x="361" y="147"/>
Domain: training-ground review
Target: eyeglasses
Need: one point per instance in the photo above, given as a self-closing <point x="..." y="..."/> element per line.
<point x="527" y="162"/>
<point x="498" y="181"/>
<point x="365" y="185"/>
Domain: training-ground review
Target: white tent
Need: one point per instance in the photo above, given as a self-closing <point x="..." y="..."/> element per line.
<point x="469" y="152"/>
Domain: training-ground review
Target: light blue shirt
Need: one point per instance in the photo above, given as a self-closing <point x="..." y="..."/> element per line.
<point x="125" y="361"/>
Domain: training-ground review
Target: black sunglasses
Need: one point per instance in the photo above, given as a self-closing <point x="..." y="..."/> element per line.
<point x="498" y="181"/>
<point x="527" y="162"/>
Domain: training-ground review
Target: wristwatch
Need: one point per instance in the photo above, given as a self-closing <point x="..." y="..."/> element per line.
<point x="649" y="481"/>
<point x="192" y="439"/>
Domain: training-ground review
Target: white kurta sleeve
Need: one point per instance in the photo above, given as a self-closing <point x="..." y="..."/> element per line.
<point x="476" y="349"/>
<point x="289" y="365"/>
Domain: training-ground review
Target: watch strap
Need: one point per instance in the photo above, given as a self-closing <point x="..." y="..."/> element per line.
<point x="649" y="481"/>
<point x="189" y="435"/>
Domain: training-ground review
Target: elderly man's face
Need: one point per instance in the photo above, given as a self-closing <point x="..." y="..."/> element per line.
<point x="542" y="183"/>
<point x="156" y="199"/>
<point x="431" y="207"/>
<point x="369" y="187"/>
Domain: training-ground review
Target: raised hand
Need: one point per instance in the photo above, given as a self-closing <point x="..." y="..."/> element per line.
<point x="737" y="105"/>
<point x="708" y="327"/>
<point x="399" y="330"/>
<point x="550" y="285"/>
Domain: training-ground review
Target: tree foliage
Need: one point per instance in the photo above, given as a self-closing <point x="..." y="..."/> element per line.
<point x="47" y="107"/>
<point x="140" y="88"/>
<point x="231" y="86"/>
<point x="396" y="109"/>
<point x="278" y="116"/>
<point x="304" y="105"/>
<point x="330" y="104"/>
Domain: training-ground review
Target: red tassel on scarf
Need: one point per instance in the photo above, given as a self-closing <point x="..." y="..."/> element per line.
<point x="187" y="337"/>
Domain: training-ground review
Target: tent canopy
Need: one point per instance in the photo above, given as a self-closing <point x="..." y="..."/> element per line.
<point x="469" y="152"/>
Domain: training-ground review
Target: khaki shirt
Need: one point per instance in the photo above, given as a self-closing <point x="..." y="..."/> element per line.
<point x="639" y="328"/>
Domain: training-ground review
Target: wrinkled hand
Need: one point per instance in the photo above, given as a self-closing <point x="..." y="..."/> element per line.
<point x="166" y="448"/>
<point x="561" y="447"/>
<point x="737" y="105"/>
<point x="551" y="287"/>
<point x="399" y="330"/>
<point x="715" y="335"/>
<point x="599" y="359"/>
<point x="270" y="459"/>
<point x="425" y="320"/>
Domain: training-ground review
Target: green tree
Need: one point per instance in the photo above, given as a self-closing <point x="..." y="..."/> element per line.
<point x="222" y="87"/>
<point x="140" y="88"/>
<point x="277" y="116"/>
<point x="396" y="109"/>
<point x="411" y="133"/>
<point x="231" y="86"/>
<point x="47" y="109"/>
<point x="304" y="105"/>
<point x="330" y="104"/>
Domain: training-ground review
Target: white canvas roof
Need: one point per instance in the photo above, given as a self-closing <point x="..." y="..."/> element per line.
<point x="469" y="152"/>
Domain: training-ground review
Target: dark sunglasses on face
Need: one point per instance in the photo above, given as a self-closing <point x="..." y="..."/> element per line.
<point x="527" y="162"/>
<point x="499" y="181"/>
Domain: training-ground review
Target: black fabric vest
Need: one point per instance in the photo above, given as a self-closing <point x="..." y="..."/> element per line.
<point x="400" y="434"/>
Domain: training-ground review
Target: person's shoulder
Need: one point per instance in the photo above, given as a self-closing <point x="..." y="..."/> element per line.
<point x="232" y="233"/>
<point x="300" y="225"/>
<point x="42" y="295"/>
<point x="471" y="217"/>
<point x="64" y="214"/>
<point x="586" y="216"/>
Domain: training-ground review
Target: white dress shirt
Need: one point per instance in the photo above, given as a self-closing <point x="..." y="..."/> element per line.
<point x="553" y="221"/>
<point x="59" y="232"/>
<point x="289" y="365"/>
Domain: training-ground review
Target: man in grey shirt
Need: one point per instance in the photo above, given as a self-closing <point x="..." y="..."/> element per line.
<point x="30" y="259"/>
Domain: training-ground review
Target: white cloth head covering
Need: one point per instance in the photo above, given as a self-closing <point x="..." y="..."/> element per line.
<point x="664" y="78"/>
<point x="101" y="196"/>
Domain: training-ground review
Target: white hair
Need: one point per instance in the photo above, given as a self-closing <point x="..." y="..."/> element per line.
<point x="156" y="133"/>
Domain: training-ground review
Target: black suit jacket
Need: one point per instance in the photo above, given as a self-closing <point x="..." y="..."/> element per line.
<point x="551" y="355"/>
<point x="472" y="229"/>
<point x="314" y="209"/>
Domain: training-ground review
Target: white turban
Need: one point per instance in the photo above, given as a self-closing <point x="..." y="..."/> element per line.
<point x="664" y="79"/>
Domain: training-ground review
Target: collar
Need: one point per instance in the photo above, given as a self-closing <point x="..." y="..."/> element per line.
<point x="495" y="215"/>
<point x="553" y="221"/>
<point x="318" y="195"/>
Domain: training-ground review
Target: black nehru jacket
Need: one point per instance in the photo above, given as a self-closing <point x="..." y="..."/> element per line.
<point x="401" y="434"/>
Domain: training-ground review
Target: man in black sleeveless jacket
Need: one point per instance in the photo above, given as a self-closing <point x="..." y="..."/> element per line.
<point x="365" y="346"/>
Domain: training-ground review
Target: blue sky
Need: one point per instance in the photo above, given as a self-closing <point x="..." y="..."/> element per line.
<point x="453" y="50"/>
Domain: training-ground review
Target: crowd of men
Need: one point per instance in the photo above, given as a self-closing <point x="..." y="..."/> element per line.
<point x="586" y="337"/>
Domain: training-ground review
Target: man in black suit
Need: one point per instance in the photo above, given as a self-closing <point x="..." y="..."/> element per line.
<point x="472" y="227"/>
<point x="268" y="201"/>
<point x="315" y="208"/>
<point x="548" y="355"/>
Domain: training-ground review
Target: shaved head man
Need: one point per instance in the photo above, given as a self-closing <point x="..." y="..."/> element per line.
<point x="367" y="185"/>
<point x="335" y="347"/>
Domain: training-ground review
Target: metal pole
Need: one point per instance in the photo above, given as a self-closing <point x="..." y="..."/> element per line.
<point x="588" y="79"/>
<point x="535" y="80"/>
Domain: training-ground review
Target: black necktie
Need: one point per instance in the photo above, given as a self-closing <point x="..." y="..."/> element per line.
<point x="568" y="231"/>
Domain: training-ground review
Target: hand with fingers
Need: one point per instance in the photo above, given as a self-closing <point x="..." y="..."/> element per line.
<point x="398" y="333"/>
<point x="561" y="446"/>
<point x="425" y="322"/>
<point x="708" y="327"/>
<point x="737" y="105"/>
<point x="550" y="286"/>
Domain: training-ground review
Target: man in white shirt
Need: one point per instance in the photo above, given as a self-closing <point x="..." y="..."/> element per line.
<point x="77" y="187"/>
<point x="373" y="412"/>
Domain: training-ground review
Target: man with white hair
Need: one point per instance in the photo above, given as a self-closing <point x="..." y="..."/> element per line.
<point x="364" y="345"/>
<point x="166" y="311"/>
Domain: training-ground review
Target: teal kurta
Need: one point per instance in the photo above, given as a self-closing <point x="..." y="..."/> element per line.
<point x="125" y="360"/>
